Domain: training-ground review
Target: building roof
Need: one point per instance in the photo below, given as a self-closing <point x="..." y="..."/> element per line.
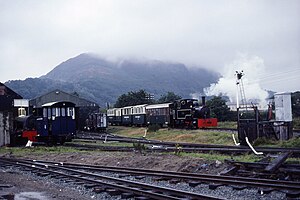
<point x="59" y="95"/>
<point x="9" y="92"/>
<point x="7" y="97"/>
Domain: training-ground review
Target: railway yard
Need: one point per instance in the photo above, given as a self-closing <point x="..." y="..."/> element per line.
<point x="114" y="166"/>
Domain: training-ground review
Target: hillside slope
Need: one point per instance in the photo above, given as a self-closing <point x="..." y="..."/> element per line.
<point x="101" y="80"/>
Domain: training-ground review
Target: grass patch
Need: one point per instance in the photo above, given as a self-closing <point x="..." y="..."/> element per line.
<point x="202" y="136"/>
<point x="39" y="150"/>
<point x="100" y="143"/>
<point x="221" y="157"/>
<point x="179" y="135"/>
<point x="227" y="124"/>
<point x="264" y="142"/>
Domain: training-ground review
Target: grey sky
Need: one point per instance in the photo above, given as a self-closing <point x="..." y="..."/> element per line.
<point x="35" y="35"/>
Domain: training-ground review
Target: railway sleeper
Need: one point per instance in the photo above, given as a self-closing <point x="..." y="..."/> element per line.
<point x="175" y="181"/>
<point x="91" y="185"/>
<point x="43" y="174"/>
<point x="265" y="190"/>
<point x="161" y="179"/>
<point x="68" y="180"/>
<point x="127" y="195"/>
<point x="113" y="192"/>
<point x="123" y="175"/>
<point x="292" y="194"/>
<point x="139" y="177"/>
<point x="56" y="176"/>
<point x="194" y="183"/>
<point x="214" y="186"/>
<point x="78" y="182"/>
<point x="142" y="198"/>
<point x="99" y="189"/>
<point x="5" y="186"/>
<point x="238" y="187"/>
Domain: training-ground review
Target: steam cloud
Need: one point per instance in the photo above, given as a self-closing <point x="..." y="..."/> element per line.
<point x="253" y="68"/>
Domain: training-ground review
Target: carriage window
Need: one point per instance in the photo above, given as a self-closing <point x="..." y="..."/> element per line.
<point x="45" y="112"/>
<point x="73" y="113"/>
<point x="63" y="112"/>
<point x="53" y="113"/>
<point x="70" y="112"/>
<point x="57" y="112"/>
<point x="49" y="113"/>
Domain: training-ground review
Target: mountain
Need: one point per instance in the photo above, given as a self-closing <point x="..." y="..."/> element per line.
<point x="101" y="80"/>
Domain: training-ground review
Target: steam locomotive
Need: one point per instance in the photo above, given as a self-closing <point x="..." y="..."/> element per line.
<point x="184" y="113"/>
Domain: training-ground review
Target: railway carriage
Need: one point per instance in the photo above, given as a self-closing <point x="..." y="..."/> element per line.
<point x="96" y="122"/>
<point x="58" y="122"/>
<point x="126" y="116"/>
<point x="158" y="114"/>
<point x="111" y="116"/>
<point x="118" y="116"/>
<point x="139" y="115"/>
<point x="114" y="116"/>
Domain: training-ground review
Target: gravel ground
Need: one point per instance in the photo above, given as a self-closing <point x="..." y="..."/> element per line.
<point x="17" y="184"/>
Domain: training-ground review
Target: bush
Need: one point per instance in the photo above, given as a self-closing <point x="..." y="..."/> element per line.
<point x="294" y="142"/>
<point x="296" y="123"/>
<point x="153" y="128"/>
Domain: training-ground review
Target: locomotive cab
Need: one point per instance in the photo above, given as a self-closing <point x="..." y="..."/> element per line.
<point x="25" y="129"/>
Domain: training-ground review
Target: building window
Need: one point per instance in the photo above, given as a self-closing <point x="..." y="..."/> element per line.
<point x="21" y="112"/>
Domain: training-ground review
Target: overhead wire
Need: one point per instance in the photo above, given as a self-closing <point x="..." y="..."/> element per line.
<point x="277" y="77"/>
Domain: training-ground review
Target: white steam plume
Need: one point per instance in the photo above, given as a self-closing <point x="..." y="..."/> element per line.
<point x="253" y="67"/>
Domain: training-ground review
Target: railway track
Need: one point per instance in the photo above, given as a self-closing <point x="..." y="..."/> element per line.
<point x="91" y="174"/>
<point x="101" y="183"/>
<point x="162" y="146"/>
<point x="163" y="149"/>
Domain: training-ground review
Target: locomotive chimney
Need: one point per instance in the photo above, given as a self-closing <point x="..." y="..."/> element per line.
<point x="203" y="100"/>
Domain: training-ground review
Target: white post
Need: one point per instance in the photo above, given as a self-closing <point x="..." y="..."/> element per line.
<point x="237" y="95"/>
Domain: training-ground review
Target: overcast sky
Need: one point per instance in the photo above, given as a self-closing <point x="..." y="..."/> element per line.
<point x="36" y="36"/>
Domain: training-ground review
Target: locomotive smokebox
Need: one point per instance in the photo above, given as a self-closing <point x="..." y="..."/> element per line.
<point x="203" y="100"/>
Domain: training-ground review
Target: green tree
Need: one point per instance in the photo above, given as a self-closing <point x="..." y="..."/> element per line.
<point x="169" y="97"/>
<point x="219" y="109"/>
<point x="134" y="98"/>
<point x="296" y="104"/>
